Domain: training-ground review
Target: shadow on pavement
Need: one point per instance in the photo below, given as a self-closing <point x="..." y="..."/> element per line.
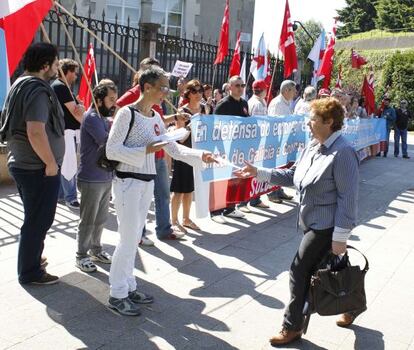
<point x="81" y="310"/>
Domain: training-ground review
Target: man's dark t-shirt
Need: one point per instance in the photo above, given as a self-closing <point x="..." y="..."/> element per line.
<point x="230" y="106"/>
<point x="22" y="155"/>
<point x="402" y="119"/>
<point x="64" y="96"/>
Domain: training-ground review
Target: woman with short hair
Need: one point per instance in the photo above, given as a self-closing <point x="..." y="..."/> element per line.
<point x="132" y="142"/>
<point x="326" y="176"/>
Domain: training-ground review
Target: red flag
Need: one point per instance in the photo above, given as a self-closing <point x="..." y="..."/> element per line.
<point x="89" y="68"/>
<point x="368" y="93"/>
<point x="235" y="65"/>
<point x="287" y="44"/>
<point x="338" y="84"/>
<point x="357" y="60"/>
<point x="325" y="68"/>
<point x="20" y="20"/>
<point x="223" y="47"/>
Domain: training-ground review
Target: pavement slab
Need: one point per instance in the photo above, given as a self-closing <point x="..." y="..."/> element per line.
<point x="224" y="287"/>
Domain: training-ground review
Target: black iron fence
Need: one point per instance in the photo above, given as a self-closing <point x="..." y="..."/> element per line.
<point x="125" y="40"/>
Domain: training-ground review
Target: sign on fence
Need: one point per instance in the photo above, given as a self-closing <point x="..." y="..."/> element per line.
<point x="181" y="69"/>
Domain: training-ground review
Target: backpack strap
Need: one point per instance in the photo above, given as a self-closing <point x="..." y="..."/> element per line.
<point x="131" y="122"/>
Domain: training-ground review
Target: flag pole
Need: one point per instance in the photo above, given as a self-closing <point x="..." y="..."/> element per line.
<point x="269" y="92"/>
<point x="79" y="62"/>
<point x="214" y="75"/>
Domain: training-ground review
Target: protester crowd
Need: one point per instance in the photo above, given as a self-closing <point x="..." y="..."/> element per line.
<point x="46" y="126"/>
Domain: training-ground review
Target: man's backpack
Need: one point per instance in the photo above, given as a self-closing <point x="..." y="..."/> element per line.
<point x="108" y="164"/>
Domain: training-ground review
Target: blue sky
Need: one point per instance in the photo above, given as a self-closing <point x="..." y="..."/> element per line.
<point x="269" y="16"/>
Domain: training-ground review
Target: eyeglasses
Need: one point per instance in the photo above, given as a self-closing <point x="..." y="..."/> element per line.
<point x="196" y="91"/>
<point x="165" y="89"/>
<point x="240" y="85"/>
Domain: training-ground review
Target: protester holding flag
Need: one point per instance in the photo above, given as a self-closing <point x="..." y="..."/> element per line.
<point x="33" y="127"/>
<point x="94" y="182"/>
<point x="134" y="181"/>
<point x="73" y="114"/>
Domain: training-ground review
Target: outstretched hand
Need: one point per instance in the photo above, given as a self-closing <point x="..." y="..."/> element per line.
<point x="249" y="170"/>
<point x="208" y="157"/>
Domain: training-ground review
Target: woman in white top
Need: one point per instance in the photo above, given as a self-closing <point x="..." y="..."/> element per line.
<point x="132" y="145"/>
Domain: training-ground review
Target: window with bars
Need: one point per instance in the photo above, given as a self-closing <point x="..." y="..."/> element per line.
<point x="167" y="13"/>
<point x="124" y="9"/>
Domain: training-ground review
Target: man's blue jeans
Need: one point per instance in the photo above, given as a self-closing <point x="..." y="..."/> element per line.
<point x="388" y="141"/>
<point x="162" y="200"/>
<point x="67" y="189"/>
<point x="39" y="194"/>
<point x="398" y="133"/>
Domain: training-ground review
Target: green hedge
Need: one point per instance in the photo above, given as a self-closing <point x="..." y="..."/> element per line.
<point x="391" y="67"/>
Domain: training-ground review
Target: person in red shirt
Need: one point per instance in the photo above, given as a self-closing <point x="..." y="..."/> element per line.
<point x="163" y="228"/>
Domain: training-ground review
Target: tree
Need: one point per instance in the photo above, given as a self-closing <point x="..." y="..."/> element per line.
<point x="398" y="73"/>
<point x="304" y="43"/>
<point x="395" y="14"/>
<point x="357" y="16"/>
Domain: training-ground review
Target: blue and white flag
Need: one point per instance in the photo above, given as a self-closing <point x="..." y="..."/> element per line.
<point x="316" y="54"/>
<point x="258" y="67"/>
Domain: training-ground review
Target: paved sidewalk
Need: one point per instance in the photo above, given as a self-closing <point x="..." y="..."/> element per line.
<point x="223" y="288"/>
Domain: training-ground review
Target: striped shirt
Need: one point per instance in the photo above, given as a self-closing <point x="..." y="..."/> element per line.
<point x="327" y="178"/>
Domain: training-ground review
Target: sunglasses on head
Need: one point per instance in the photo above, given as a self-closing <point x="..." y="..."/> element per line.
<point x="195" y="91"/>
<point x="240" y="85"/>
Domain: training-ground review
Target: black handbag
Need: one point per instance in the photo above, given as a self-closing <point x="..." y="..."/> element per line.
<point x="338" y="287"/>
<point x="108" y="164"/>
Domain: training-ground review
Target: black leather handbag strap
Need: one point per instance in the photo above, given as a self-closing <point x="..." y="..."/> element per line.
<point x="366" y="268"/>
